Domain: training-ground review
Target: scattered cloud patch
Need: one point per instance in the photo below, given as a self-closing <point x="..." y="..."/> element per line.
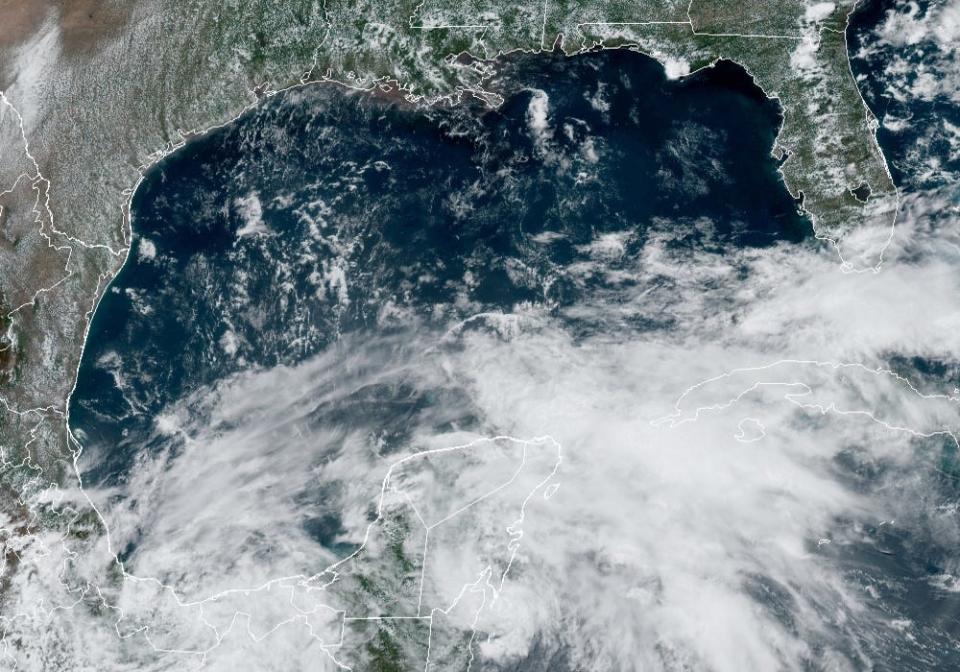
<point x="538" y="121"/>
<point x="250" y="210"/>
<point x="819" y="11"/>
<point x="676" y="67"/>
<point x="146" y="250"/>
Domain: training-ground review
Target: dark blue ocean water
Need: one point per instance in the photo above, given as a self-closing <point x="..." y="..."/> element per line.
<point x="429" y="214"/>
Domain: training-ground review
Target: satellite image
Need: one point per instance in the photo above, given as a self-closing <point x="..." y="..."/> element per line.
<point x="476" y="335"/>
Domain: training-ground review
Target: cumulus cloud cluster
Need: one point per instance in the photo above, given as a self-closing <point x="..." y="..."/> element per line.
<point x="914" y="52"/>
<point x="935" y="27"/>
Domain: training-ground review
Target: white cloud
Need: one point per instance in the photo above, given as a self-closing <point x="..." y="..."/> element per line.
<point x="804" y="56"/>
<point x="946" y="26"/>
<point x="926" y="63"/>
<point x="538" y="121"/>
<point x="952" y="135"/>
<point x="229" y="342"/>
<point x="147" y="250"/>
<point x="251" y="212"/>
<point x="818" y="11"/>
<point x="676" y="68"/>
